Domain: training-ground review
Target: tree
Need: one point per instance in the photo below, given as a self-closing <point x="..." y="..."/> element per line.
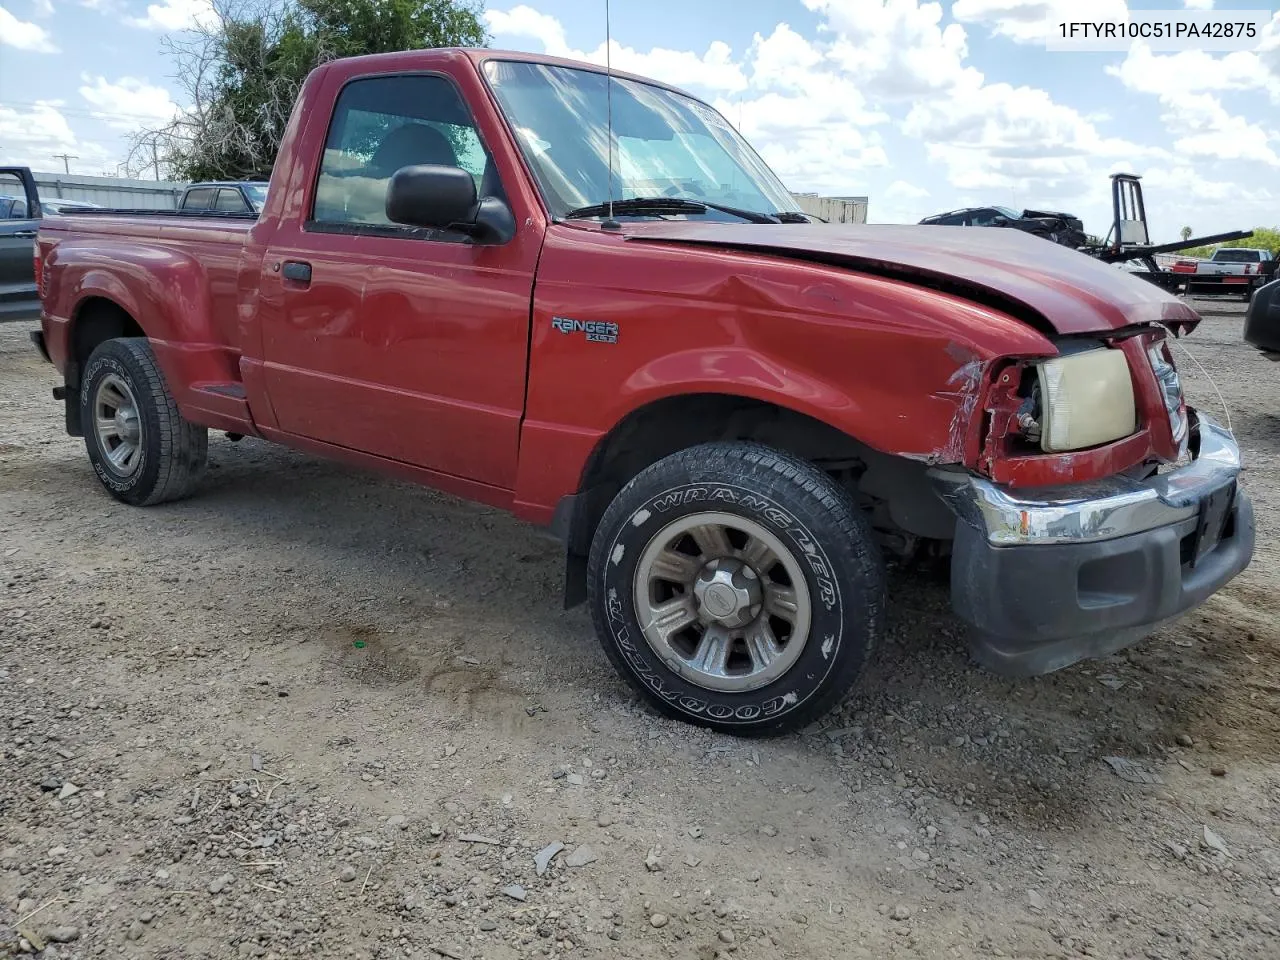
<point x="1186" y="233"/>
<point x="242" y="67"/>
<point x="1265" y="238"/>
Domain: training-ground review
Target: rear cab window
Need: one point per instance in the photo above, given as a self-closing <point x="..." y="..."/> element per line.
<point x="197" y="199"/>
<point x="381" y="124"/>
<point x="230" y="200"/>
<point x="1237" y="256"/>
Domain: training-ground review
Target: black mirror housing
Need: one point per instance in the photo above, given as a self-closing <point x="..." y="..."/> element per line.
<point x="430" y="195"/>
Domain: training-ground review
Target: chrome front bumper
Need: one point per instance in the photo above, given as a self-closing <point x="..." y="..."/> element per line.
<point x="1049" y="577"/>
<point x="1104" y="510"/>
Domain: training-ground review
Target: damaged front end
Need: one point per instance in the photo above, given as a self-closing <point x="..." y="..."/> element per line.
<point x="1099" y="505"/>
<point x="1101" y="406"/>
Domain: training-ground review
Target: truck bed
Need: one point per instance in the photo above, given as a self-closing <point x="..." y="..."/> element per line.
<point x="162" y="225"/>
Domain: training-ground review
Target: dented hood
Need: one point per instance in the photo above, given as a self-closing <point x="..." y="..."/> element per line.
<point x="1045" y="283"/>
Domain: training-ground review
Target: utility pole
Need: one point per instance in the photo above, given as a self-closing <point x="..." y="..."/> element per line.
<point x="66" y="159"/>
<point x="155" y="163"/>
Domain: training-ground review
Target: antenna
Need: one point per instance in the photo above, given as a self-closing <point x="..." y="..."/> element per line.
<point x="609" y="223"/>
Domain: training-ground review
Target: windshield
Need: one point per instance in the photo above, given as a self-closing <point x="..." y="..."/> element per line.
<point x="1007" y="213"/>
<point x="665" y="144"/>
<point x="257" y="194"/>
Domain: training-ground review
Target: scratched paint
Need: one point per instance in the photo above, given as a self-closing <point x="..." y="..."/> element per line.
<point x="965" y="384"/>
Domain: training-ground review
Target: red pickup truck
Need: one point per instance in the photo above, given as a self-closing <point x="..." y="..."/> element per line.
<point x="731" y="415"/>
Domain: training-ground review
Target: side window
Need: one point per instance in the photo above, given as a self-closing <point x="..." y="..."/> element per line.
<point x="230" y="201"/>
<point x="382" y="124"/>
<point x="983" y="218"/>
<point x="19" y="211"/>
<point x="197" y="199"/>
<point x="955" y="220"/>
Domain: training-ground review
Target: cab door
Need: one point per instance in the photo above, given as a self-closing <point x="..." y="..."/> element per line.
<point x="18" y="296"/>
<point x="402" y="342"/>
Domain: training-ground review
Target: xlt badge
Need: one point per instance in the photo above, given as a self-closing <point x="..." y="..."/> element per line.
<point x="597" y="331"/>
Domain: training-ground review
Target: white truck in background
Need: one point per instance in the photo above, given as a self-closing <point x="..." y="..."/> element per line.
<point x="1233" y="270"/>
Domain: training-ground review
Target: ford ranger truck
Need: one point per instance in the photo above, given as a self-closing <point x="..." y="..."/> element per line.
<point x="468" y="274"/>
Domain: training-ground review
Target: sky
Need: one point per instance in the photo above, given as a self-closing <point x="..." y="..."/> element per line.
<point x="921" y="106"/>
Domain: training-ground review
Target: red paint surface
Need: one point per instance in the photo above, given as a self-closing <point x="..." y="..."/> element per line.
<point x="438" y="361"/>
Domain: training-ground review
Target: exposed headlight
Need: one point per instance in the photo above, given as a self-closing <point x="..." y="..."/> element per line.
<point x="1086" y="399"/>
<point x="1171" y="390"/>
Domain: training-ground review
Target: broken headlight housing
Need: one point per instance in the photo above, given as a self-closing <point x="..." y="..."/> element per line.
<point x="1086" y="399"/>
<point x="1170" y="384"/>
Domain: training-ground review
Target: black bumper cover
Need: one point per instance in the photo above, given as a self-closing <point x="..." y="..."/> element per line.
<point x="1038" y="608"/>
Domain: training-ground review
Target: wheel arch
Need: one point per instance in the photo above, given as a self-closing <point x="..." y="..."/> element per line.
<point x="670" y="424"/>
<point x="95" y="319"/>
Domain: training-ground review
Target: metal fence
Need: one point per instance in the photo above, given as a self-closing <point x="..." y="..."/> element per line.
<point x="110" y="191"/>
<point x="833" y="209"/>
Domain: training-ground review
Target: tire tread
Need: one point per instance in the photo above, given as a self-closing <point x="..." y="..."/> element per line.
<point x="182" y="451"/>
<point x="725" y="461"/>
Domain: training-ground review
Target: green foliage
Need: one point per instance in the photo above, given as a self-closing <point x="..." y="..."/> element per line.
<point x="1185" y="233"/>
<point x="244" y="71"/>
<point x="349" y="28"/>
<point x="1262" y="238"/>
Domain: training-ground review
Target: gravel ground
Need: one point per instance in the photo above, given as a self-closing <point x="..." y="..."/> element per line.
<point x="314" y="712"/>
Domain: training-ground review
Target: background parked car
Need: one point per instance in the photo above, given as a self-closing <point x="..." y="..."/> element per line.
<point x="1238" y="271"/>
<point x="64" y="206"/>
<point x="20" y="213"/>
<point x="234" y="196"/>
<point x="18" y="202"/>
<point x="1063" y="228"/>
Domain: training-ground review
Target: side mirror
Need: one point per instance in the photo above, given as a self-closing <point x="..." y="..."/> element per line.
<point x="430" y="195"/>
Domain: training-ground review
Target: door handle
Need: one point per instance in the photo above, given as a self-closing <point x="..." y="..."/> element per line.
<point x="23" y="234"/>
<point x="297" y="271"/>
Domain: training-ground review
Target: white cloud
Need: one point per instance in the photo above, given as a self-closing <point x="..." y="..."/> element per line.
<point x="1187" y="85"/>
<point x="897" y="48"/>
<point x="901" y="190"/>
<point x="783" y="59"/>
<point x="1194" y="71"/>
<point x="175" y="15"/>
<point x="715" y="69"/>
<point x="129" y="103"/>
<point x="1198" y="4"/>
<point x="1014" y="140"/>
<point x="24" y="35"/>
<point x="524" y="21"/>
<point x="31" y="136"/>
<point x="44" y="8"/>
<point x="1027" y="21"/>
<point x="1210" y="131"/>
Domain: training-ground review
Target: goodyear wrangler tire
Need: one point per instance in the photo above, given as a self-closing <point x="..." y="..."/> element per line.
<point x="140" y="447"/>
<point x="737" y="587"/>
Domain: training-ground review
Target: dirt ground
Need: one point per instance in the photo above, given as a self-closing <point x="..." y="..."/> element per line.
<point x="314" y="712"/>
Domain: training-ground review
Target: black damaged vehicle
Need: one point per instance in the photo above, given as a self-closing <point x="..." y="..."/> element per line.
<point x="1062" y="228"/>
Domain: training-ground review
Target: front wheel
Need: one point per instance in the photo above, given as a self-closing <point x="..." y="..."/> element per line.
<point x="140" y="447"/>
<point x="737" y="587"/>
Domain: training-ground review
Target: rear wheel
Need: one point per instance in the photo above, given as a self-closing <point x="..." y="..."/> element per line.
<point x="140" y="447"/>
<point x="737" y="587"/>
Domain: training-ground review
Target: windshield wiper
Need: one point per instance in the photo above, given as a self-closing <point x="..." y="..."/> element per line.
<point x="791" y="216"/>
<point x="656" y="206"/>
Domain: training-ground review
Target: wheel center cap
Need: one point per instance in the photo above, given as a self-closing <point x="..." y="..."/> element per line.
<point x="127" y="424"/>
<point x="728" y="593"/>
